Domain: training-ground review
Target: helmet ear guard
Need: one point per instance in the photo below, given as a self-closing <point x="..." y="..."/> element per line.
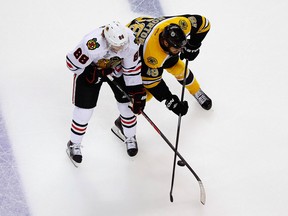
<point x="174" y="36"/>
<point x="115" y="34"/>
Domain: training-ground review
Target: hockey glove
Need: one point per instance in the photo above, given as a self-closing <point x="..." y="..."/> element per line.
<point x="139" y="100"/>
<point x="174" y="104"/>
<point x="190" y="52"/>
<point x="109" y="63"/>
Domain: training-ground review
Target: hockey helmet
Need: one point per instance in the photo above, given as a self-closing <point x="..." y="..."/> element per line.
<point x="174" y="36"/>
<point x="115" y="34"/>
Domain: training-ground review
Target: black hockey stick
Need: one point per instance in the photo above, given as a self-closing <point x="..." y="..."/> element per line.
<point x="178" y="132"/>
<point x="202" y="190"/>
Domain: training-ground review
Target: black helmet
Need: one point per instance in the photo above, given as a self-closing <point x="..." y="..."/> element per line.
<point x="174" y="36"/>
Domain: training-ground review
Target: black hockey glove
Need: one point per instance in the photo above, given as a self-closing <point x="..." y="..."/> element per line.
<point x="173" y="103"/>
<point x="139" y="100"/>
<point x="190" y="52"/>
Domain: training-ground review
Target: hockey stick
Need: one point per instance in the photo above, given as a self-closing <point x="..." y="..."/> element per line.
<point x="178" y="132"/>
<point x="202" y="190"/>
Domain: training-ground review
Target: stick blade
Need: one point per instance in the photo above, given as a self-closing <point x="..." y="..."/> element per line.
<point x="202" y="193"/>
<point x="171" y="198"/>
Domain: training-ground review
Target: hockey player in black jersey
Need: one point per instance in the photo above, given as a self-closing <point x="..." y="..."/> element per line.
<point x="164" y="43"/>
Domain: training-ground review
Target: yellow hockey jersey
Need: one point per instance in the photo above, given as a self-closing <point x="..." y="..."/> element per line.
<point x="147" y="31"/>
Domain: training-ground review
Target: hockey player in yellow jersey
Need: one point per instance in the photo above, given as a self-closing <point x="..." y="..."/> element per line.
<point x="164" y="43"/>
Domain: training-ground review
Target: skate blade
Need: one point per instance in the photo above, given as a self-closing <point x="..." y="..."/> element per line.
<point x="118" y="133"/>
<point x="73" y="162"/>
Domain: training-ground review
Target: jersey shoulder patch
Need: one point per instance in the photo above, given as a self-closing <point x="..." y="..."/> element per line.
<point x="92" y="44"/>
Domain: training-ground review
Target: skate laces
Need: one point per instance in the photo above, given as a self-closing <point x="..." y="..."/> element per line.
<point x="75" y="147"/>
<point x="131" y="142"/>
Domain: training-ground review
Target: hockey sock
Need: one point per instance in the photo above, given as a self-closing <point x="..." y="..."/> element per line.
<point x="79" y="124"/>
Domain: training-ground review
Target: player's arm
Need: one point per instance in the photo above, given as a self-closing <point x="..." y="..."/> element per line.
<point x="81" y="62"/>
<point x="200" y="26"/>
<point x="161" y="92"/>
<point x="78" y="59"/>
<point x="131" y="67"/>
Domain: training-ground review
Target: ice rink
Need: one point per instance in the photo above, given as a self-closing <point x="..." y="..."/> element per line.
<point x="239" y="148"/>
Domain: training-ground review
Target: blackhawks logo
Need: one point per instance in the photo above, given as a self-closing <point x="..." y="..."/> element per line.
<point x="92" y="44"/>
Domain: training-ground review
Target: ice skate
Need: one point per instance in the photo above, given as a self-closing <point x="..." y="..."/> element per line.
<point x="74" y="152"/>
<point x="131" y="145"/>
<point x="203" y="100"/>
<point x="117" y="129"/>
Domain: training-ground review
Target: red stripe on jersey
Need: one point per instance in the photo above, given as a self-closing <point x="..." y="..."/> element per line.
<point x="136" y="69"/>
<point x="70" y="66"/>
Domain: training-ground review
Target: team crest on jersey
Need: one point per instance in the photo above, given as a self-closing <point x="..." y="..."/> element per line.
<point x="193" y="21"/>
<point x="183" y="24"/>
<point x="92" y="44"/>
<point x="152" y="60"/>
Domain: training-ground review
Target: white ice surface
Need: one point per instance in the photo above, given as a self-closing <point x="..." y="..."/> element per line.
<point x="239" y="148"/>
